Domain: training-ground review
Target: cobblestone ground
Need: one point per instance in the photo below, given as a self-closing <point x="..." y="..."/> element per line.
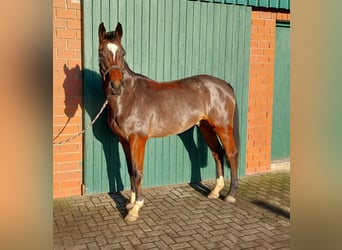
<point x="180" y="217"/>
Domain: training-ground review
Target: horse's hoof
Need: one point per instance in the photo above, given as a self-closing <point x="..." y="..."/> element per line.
<point x="131" y="217"/>
<point x="213" y="195"/>
<point x="129" y="206"/>
<point x="230" y="199"/>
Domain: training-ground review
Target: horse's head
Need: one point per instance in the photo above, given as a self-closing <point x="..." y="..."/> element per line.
<point x="111" y="59"/>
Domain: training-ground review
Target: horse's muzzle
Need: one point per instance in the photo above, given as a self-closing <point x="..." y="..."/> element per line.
<point x="116" y="87"/>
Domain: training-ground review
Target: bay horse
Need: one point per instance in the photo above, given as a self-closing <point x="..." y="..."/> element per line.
<point x="140" y="108"/>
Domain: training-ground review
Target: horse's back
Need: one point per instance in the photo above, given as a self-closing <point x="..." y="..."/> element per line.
<point x="211" y="82"/>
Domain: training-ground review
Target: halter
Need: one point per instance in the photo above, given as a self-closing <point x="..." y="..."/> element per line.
<point x="113" y="67"/>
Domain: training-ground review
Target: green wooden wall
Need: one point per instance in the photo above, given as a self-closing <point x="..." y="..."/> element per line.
<point x="277" y="4"/>
<point x="281" y="95"/>
<point x="164" y="40"/>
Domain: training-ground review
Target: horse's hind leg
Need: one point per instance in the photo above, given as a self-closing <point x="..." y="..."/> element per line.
<point x="217" y="151"/>
<point x="228" y="141"/>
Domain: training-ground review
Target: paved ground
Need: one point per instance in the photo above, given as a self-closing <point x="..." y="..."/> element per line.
<point x="180" y="217"/>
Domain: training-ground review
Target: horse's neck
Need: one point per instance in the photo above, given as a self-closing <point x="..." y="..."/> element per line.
<point x="130" y="73"/>
<point x="127" y="70"/>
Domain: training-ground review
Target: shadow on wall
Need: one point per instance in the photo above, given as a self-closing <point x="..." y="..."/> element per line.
<point x="72" y="93"/>
<point x="93" y="99"/>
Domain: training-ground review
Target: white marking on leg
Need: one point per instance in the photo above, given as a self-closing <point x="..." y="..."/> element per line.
<point x="132" y="201"/>
<point x="113" y="48"/>
<point x="215" y="193"/>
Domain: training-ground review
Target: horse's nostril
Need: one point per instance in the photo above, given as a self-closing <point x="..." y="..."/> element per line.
<point x="112" y="84"/>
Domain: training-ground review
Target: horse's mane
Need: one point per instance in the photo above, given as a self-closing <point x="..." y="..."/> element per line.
<point x="132" y="73"/>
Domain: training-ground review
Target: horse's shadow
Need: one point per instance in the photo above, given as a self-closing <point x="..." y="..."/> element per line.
<point x="72" y="92"/>
<point x="93" y="99"/>
<point x="198" y="152"/>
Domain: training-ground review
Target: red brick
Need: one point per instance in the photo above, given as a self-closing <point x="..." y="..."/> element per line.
<point x="57" y="177"/>
<point x="270" y="23"/>
<point x="59" y="23"/>
<point x="75" y="44"/>
<point x="69" y="34"/>
<point x="264" y="44"/>
<point x="263" y="58"/>
<point x="60" y="158"/>
<point x="74" y="4"/>
<point x="256" y="51"/>
<point x="69" y="148"/>
<point x="74" y="24"/>
<point x="75" y="156"/>
<point x="258" y="22"/>
<point x="254" y="150"/>
<point x="79" y="54"/>
<point x="76" y="175"/>
<point x="70" y="184"/>
<point x="74" y="192"/>
<point x="254" y="30"/>
<point x="259" y="36"/>
<point x="265" y="15"/>
<point x="73" y="63"/>
<point x="59" y="62"/>
<point x="269" y="52"/>
<point x="70" y="166"/>
<point x="264" y="30"/>
<point x="68" y="130"/>
<point x="61" y="43"/>
<point x="66" y="13"/>
<point x="79" y="14"/>
<point x="58" y="73"/>
<point x="252" y="164"/>
<point x="259" y="157"/>
<point x="255" y="14"/>
<point x="66" y="53"/>
<point x="61" y="193"/>
<point x="58" y="4"/>
<point x="56" y="185"/>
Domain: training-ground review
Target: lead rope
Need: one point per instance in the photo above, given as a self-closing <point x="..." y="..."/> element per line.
<point x="90" y="124"/>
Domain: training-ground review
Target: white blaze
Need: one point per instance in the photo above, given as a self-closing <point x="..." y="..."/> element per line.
<point x="113" y="48"/>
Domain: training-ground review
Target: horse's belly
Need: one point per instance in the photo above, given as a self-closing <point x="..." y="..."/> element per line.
<point x="172" y="127"/>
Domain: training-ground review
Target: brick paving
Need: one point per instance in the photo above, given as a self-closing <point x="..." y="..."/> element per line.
<point x="180" y="217"/>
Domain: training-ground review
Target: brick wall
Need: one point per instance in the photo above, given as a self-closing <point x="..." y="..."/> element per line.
<point x="260" y="100"/>
<point x="67" y="97"/>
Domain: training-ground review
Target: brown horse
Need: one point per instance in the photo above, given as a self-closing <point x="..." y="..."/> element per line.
<point x="140" y="108"/>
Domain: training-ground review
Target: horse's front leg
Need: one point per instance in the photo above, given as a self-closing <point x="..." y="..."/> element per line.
<point x="127" y="150"/>
<point x="137" y="150"/>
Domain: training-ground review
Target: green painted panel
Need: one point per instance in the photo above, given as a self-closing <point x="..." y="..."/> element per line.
<point x="164" y="40"/>
<point x="278" y="4"/>
<point x="281" y="97"/>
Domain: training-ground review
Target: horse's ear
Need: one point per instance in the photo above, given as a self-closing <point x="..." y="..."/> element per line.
<point x="118" y="31"/>
<point x="102" y="32"/>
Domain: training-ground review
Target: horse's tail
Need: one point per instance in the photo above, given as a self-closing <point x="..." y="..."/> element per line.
<point x="236" y="132"/>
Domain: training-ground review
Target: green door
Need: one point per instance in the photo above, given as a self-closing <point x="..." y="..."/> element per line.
<point x="281" y="97"/>
<point x="164" y="40"/>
